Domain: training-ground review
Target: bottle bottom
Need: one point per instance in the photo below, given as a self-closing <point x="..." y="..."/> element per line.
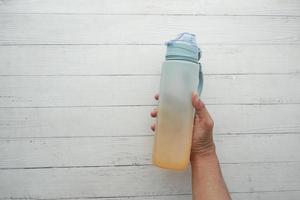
<point x="178" y="167"/>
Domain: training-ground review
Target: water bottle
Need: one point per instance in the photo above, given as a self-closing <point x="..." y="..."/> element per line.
<point x="180" y="76"/>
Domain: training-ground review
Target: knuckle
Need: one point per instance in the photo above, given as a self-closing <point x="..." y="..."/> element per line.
<point x="201" y="105"/>
<point x="209" y="123"/>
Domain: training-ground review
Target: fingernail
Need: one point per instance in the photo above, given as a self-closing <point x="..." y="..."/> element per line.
<point x="197" y="96"/>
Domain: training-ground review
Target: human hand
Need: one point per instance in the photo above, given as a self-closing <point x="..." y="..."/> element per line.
<point x="202" y="140"/>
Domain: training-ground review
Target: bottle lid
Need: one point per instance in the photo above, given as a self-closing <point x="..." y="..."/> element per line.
<point x="183" y="47"/>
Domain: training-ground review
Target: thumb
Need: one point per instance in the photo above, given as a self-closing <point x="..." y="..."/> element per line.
<point x="200" y="108"/>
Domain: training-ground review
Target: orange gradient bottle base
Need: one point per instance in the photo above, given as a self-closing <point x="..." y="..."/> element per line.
<point x="177" y="167"/>
<point x="172" y="140"/>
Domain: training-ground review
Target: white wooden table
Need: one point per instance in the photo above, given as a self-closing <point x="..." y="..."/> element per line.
<point x="77" y="79"/>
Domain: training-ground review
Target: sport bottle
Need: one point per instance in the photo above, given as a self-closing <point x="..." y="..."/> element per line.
<point x="180" y="76"/>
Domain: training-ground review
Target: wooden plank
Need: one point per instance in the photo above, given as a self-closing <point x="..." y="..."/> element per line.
<point x="114" y="181"/>
<point x="135" y="120"/>
<point x="287" y="195"/>
<point x="138" y="90"/>
<point x="143" y="59"/>
<point x="114" y="151"/>
<point x="193" y="7"/>
<point x="149" y="29"/>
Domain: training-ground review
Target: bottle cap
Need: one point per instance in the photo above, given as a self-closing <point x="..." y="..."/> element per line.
<point x="183" y="47"/>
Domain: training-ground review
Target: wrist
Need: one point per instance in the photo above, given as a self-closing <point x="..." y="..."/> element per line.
<point x="203" y="155"/>
<point x="200" y="162"/>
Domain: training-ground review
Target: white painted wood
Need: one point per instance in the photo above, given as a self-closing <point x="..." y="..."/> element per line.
<point x="139" y="90"/>
<point x="287" y="195"/>
<point x="193" y="7"/>
<point x="135" y="120"/>
<point x="111" y="151"/>
<point x="143" y="59"/>
<point x="135" y="29"/>
<point x="140" y="180"/>
<point x="63" y="89"/>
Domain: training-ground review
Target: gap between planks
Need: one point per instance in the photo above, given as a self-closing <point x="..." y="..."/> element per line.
<point x="144" y="44"/>
<point x="151" y="14"/>
<point x="132" y="165"/>
<point x="141" y="105"/>
<point x="146" y="135"/>
<point x="100" y="75"/>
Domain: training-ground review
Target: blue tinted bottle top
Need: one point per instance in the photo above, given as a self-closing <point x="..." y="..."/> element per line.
<point x="184" y="47"/>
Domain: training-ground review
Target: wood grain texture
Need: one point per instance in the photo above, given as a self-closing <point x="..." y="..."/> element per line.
<point x="139" y="90"/>
<point x="287" y="195"/>
<point x="118" y="29"/>
<point x="143" y="59"/>
<point x="135" y="120"/>
<point x="193" y="7"/>
<point x="114" y="181"/>
<point x="115" y="151"/>
<point x="77" y="79"/>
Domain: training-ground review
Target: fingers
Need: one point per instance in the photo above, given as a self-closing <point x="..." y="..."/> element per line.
<point x="154" y="113"/>
<point x="153" y="126"/>
<point x="197" y="103"/>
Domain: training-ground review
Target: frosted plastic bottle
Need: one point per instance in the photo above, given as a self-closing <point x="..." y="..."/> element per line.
<point x="180" y="76"/>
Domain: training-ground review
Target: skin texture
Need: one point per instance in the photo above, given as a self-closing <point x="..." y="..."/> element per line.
<point x="207" y="179"/>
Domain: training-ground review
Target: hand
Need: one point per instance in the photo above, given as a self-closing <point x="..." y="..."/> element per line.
<point x="202" y="141"/>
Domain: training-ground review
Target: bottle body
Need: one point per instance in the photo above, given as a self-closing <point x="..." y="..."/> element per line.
<point x="173" y="134"/>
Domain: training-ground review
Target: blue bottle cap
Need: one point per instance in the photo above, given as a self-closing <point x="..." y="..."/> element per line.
<point x="184" y="47"/>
